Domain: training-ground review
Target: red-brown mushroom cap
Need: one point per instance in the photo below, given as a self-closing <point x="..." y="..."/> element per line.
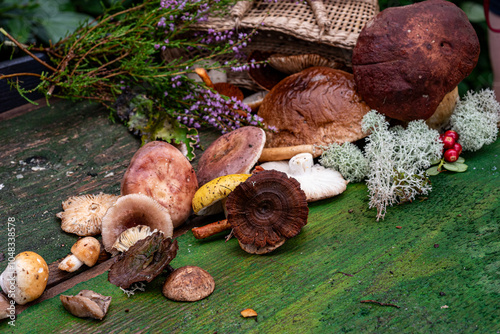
<point x="266" y="209"/>
<point x="408" y="58"/>
<point x="235" y="152"/>
<point x="159" y="170"/>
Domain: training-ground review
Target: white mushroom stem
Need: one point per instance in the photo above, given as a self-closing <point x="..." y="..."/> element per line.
<point x="288" y="152"/>
<point x="70" y="263"/>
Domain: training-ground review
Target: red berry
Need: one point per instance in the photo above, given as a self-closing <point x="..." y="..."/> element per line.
<point x="457" y="147"/>
<point x="448" y="142"/>
<point x="451" y="133"/>
<point x="451" y="155"/>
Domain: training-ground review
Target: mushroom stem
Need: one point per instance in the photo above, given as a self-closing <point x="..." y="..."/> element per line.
<point x="286" y="153"/>
<point x="208" y="230"/>
<point x="70" y="263"/>
<point x="204" y="76"/>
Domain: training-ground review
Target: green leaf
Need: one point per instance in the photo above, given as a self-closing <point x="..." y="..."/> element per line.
<point x="432" y="171"/>
<point x="172" y="131"/>
<point x="455" y="167"/>
<point x="60" y="25"/>
<point x="460" y="160"/>
<point x="474" y="11"/>
<point x="435" y="161"/>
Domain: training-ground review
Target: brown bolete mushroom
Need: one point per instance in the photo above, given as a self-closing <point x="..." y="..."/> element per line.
<point x="265" y="210"/>
<point x="82" y="215"/>
<point x="85" y="250"/>
<point x="317" y="106"/>
<point x="235" y="152"/>
<point x="87" y="304"/>
<point x="160" y="171"/>
<point x="188" y="284"/>
<point x="408" y="58"/>
<point x="132" y="210"/>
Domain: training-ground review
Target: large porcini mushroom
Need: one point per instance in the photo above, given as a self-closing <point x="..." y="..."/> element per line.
<point x="25" y="278"/>
<point x="235" y="152"/>
<point x="82" y="215"/>
<point x="159" y="170"/>
<point x="316" y="181"/>
<point x="85" y="250"/>
<point x="87" y="304"/>
<point x="132" y="210"/>
<point x="408" y="58"/>
<point x="441" y="117"/>
<point x="265" y="210"/>
<point x="317" y="106"/>
<point x="188" y="284"/>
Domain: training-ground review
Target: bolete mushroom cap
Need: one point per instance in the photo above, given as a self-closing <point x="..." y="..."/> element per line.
<point x="235" y="152"/>
<point x="188" y="284"/>
<point x="266" y="209"/>
<point x="316" y="181"/>
<point x="25" y="277"/>
<point x="317" y="106"/>
<point x="87" y="304"/>
<point x="208" y="199"/>
<point x="408" y="58"/>
<point x="160" y="171"/>
<point x="132" y="210"/>
<point x="82" y="215"/>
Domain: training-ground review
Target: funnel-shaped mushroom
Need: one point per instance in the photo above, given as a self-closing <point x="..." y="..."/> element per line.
<point x="130" y="211"/>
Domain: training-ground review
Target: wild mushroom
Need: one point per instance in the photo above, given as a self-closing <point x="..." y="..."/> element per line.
<point x="317" y="106"/>
<point x="264" y="75"/>
<point x="85" y="250"/>
<point x="87" y="304"/>
<point x="188" y="284"/>
<point x="408" y="58"/>
<point x="130" y="236"/>
<point x="82" y="215"/>
<point x="235" y="152"/>
<point x="441" y="117"/>
<point x="215" y="76"/>
<point x="25" y="278"/>
<point x="254" y="100"/>
<point x="265" y="210"/>
<point x="159" y="170"/>
<point x="223" y="88"/>
<point x="290" y="64"/>
<point x="132" y="210"/>
<point x="316" y="181"/>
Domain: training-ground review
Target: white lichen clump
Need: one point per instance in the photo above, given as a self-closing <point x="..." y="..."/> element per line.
<point x="397" y="159"/>
<point x="476" y="119"/>
<point x="347" y="159"/>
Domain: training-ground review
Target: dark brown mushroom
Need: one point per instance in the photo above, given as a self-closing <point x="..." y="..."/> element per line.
<point x="408" y="58"/>
<point x="188" y="284"/>
<point x="266" y="210"/>
<point x="145" y="260"/>
<point x="235" y="152"/>
<point x="87" y="304"/>
<point x="264" y="75"/>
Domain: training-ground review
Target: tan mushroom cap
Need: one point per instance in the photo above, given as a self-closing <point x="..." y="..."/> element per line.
<point x="87" y="250"/>
<point x="132" y="210"/>
<point x="290" y="64"/>
<point x="159" y="170"/>
<point x="86" y="304"/>
<point x="82" y="215"/>
<point x="30" y="273"/>
<point x="235" y="152"/>
<point x="188" y="284"/>
<point x="317" y="106"/>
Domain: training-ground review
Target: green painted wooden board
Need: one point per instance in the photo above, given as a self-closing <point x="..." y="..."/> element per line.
<point x="442" y="268"/>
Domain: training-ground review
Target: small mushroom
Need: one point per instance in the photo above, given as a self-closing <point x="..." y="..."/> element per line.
<point x="316" y="181"/>
<point x="25" y="278"/>
<point x="188" y="284"/>
<point x="82" y="215"/>
<point x="160" y="171"/>
<point x="85" y="250"/>
<point x="255" y="100"/>
<point x="235" y="152"/>
<point x="132" y="210"/>
<point x="265" y="210"/>
<point x="130" y="236"/>
<point x="87" y="304"/>
<point x="290" y="64"/>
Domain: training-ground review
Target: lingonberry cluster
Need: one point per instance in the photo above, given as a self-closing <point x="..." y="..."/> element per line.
<point x="452" y="149"/>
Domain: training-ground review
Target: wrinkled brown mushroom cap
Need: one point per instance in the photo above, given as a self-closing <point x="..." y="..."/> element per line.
<point x="266" y="209"/>
<point x="408" y="58"/>
<point x="235" y="152"/>
<point x="188" y="284"/>
<point x="317" y="106"/>
<point x="86" y="304"/>
<point x="159" y="170"/>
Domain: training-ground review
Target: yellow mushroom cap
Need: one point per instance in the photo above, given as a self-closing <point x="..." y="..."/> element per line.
<point x="208" y="198"/>
<point x="87" y="250"/>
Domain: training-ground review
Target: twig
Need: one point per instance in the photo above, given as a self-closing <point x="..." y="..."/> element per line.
<point x="6" y="76"/>
<point x="379" y="303"/>
<point x="210" y="229"/>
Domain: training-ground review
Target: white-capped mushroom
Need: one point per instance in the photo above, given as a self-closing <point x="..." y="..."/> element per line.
<point x="316" y="181"/>
<point x="84" y="251"/>
<point x="25" y="278"/>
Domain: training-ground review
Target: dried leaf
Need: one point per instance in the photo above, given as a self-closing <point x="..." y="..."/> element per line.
<point x="248" y="313"/>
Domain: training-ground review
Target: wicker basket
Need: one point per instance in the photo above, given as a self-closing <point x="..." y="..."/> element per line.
<point x="297" y="27"/>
